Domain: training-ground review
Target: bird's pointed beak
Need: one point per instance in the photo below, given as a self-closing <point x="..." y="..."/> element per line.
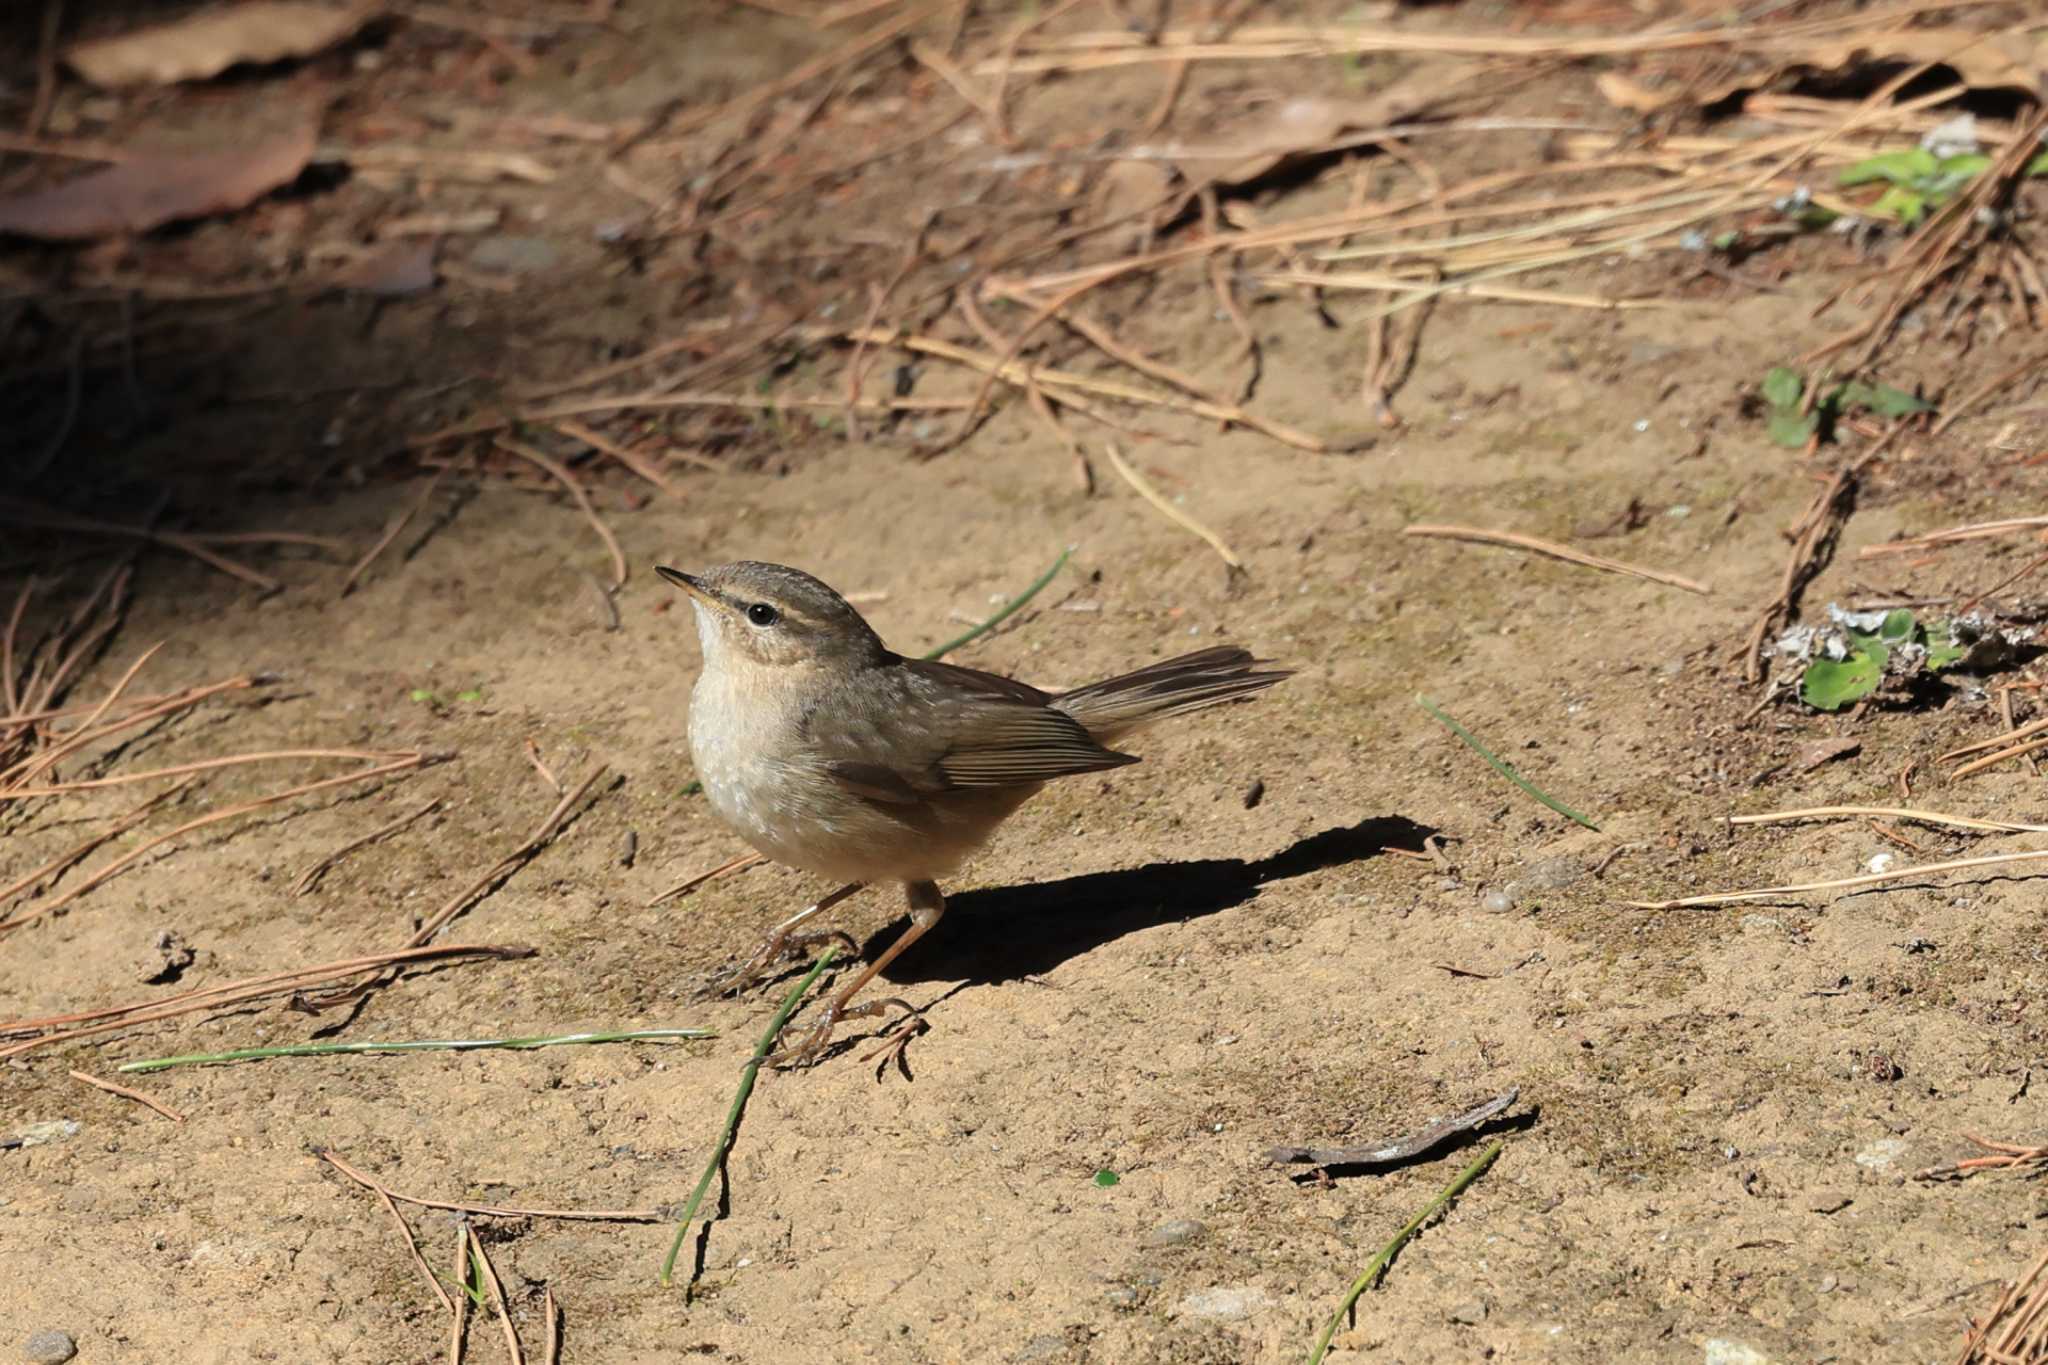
<point x="692" y="586"/>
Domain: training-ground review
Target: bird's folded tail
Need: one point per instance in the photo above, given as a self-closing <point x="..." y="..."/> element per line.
<point x="1208" y="677"/>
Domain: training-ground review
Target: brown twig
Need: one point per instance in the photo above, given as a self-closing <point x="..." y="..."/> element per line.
<point x="1556" y="551"/>
<point x="1999" y="1156"/>
<point x="2020" y="1320"/>
<point x="26" y="770"/>
<point x="506" y="865"/>
<point x="392" y="530"/>
<point x="490" y="1271"/>
<point x="1933" y="540"/>
<point x="1925" y="817"/>
<point x="312" y="875"/>
<point x="1813" y="533"/>
<point x="2002" y="584"/>
<point x="458" y="1327"/>
<point x="632" y="460"/>
<point x="489" y="1210"/>
<point x="71" y="855"/>
<point x="94" y="1022"/>
<point x="1152" y="495"/>
<point x="127" y="1094"/>
<point x="1963" y="407"/>
<point x="689" y="884"/>
<point x="204" y="765"/>
<point x="568" y="481"/>
<point x="546" y="775"/>
<point x="1391" y="1151"/>
<point x="58" y="902"/>
<point x="1840" y="883"/>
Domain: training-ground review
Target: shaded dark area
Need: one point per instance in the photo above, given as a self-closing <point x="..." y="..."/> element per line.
<point x="1007" y="933"/>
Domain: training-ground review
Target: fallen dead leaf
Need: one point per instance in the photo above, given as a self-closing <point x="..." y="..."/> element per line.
<point x="1811" y="756"/>
<point x="210" y="42"/>
<point x="154" y="188"/>
<point x="391" y="270"/>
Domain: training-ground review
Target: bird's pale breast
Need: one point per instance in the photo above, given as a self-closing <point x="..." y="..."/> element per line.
<point x="768" y="781"/>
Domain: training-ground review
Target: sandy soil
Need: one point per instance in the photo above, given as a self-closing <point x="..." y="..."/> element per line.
<point x="1149" y="973"/>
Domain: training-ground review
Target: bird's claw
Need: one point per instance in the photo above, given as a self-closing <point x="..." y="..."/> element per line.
<point x="819" y="1039"/>
<point x="774" y="949"/>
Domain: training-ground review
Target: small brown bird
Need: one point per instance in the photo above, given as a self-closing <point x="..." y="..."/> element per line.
<point x="827" y="751"/>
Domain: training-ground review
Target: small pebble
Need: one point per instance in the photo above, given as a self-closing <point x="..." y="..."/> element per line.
<point x="1496" y="902"/>
<point x="49" y="1348"/>
<point x="1470" y="1314"/>
<point x="1882" y="1154"/>
<point x="1224" y="1303"/>
<point x="1122" y="1296"/>
<point x="50" y="1130"/>
<point x="1177" y="1233"/>
<point x="1721" y="1351"/>
<point x="1828" y="1283"/>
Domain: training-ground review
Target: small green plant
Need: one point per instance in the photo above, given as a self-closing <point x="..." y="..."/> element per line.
<point x="1106" y="1177"/>
<point x="1917" y="181"/>
<point x="428" y="696"/>
<point x="1793" y="424"/>
<point x="1899" y="645"/>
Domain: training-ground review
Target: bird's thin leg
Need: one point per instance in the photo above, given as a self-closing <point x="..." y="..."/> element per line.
<point x="782" y="941"/>
<point x="927" y="904"/>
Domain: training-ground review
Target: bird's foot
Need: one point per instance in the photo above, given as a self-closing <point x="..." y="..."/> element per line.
<point x="815" y="1043"/>
<point x="776" y="948"/>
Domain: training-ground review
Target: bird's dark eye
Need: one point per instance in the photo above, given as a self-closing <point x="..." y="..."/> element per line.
<point x="761" y="614"/>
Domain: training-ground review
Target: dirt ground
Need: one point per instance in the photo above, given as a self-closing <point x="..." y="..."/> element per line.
<point x="1155" y="973"/>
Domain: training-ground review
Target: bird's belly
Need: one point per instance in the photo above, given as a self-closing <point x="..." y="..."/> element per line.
<point x="803" y="819"/>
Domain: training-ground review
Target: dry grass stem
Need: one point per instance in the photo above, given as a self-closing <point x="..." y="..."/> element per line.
<point x="689" y="884"/>
<point x="2015" y="1331"/>
<point x="458" y="1327"/>
<point x="490" y="1273"/>
<point x="1109" y="48"/>
<point x="127" y="1094"/>
<point x="392" y="530"/>
<point x="490" y="1210"/>
<point x="311" y="876"/>
<point x="94" y="1022"/>
<point x="638" y="463"/>
<point x="1924" y="817"/>
<point x="1842" y="883"/>
<point x="204" y="765"/>
<point x="1999" y="1156"/>
<point x="2026" y="750"/>
<point x="58" y="902"/>
<point x="79" y="850"/>
<point x="1174" y="514"/>
<point x="546" y="774"/>
<point x="568" y="481"/>
<point x="1556" y="551"/>
<point x="506" y="865"/>
<point x="1390" y="284"/>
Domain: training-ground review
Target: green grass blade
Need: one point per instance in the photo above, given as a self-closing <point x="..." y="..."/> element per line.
<point x="1009" y="610"/>
<point x="739" y="1104"/>
<point x="426" y="1045"/>
<point x="1378" y="1269"/>
<point x="1501" y="766"/>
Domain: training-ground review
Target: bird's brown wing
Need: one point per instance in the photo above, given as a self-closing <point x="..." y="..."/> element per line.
<point x="925" y="728"/>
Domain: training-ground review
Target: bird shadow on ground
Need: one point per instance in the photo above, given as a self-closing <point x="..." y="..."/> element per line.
<point x="1004" y="933"/>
